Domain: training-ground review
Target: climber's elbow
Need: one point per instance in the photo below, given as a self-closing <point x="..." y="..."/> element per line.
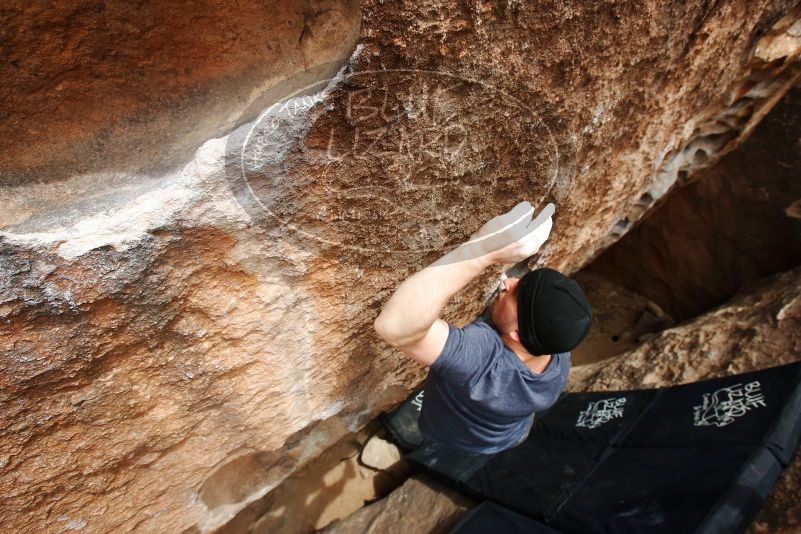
<point x="388" y="330"/>
<point x="394" y="335"/>
<point x="383" y="328"/>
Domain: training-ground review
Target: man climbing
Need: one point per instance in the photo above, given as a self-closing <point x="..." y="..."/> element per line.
<point x="487" y="380"/>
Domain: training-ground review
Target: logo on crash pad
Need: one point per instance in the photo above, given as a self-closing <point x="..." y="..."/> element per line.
<point x="723" y="406"/>
<point x="601" y="412"/>
<point x="417" y="401"/>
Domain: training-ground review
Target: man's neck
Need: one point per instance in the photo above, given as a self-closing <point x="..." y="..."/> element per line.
<point x="535" y="363"/>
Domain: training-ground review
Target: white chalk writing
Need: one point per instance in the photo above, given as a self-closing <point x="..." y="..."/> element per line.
<point x="723" y="406"/>
<point x="417" y="401"/>
<point x="599" y="412"/>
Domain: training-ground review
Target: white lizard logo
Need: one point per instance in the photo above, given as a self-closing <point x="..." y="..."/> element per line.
<point x="599" y="412"/>
<point x="723" y="406"/>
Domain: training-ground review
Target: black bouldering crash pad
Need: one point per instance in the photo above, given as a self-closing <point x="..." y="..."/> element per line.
<point x="489" y="518"/>
<point x="699" y="457"/>
<point x="402" y="421"/>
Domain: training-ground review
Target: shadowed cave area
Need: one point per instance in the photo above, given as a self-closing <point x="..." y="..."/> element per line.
<point x="736" y="223"/>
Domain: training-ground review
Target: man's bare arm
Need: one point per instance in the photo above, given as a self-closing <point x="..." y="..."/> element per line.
<point x="408" y="317"/>
<point x="419" y="300"/>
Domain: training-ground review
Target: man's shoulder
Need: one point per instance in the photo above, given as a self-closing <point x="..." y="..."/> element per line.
<point x="564" y="365"/>
<point x="466" y="351"/>
<point x="491" y="335"/>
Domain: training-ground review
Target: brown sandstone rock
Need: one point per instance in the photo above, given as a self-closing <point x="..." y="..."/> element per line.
<point x="757" y="329"/>
<point x="420" y="505"/>
<point x="174" y="344"/>
<point x="380" y="454"/>
<point x="616" y="314"/>
<point x="119" y="87"/>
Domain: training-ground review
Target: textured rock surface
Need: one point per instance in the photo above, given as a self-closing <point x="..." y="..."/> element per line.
<point x="758" y="329"/>
<point x="420" y="505"/>
<point x="174" y="344"/>
<point x="106" y="87"/>
<point x="380" y="454"/>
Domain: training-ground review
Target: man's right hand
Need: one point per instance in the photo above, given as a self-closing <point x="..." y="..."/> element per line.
<point x="513" y="236"/>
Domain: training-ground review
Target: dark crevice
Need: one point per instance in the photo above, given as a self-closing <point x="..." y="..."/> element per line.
<point x="735" y="224"/>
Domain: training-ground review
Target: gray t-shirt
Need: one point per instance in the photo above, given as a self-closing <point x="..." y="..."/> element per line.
<point x="479" y="395"/>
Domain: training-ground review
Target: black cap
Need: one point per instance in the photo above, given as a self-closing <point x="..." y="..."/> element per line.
<point x="553" y="314"/>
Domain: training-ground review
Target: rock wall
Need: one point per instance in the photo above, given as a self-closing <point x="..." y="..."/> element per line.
<point x="420" y="505"/>
<point x="110" y="87"/>
<point x="180" y="334"/>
